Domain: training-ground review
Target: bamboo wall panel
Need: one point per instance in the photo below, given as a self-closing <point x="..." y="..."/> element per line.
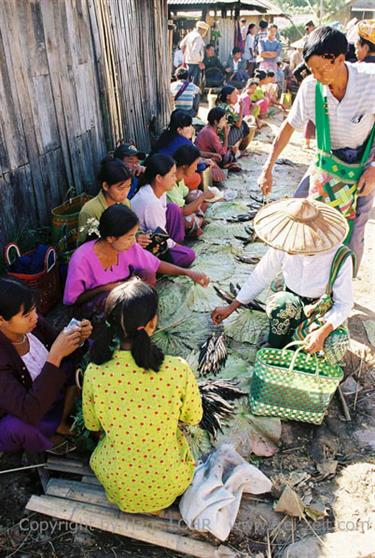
<point x="75" y="76"/>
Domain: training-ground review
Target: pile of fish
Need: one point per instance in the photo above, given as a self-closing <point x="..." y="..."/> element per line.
<point x="212" y="355"/>
<point x="229" y="297"/>
<point x="216" y="397"/>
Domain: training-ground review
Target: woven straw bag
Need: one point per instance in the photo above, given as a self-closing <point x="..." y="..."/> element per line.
<point x="293" y="385"/>
<point x="46" y="282"/>
<point x="65" y="216"/>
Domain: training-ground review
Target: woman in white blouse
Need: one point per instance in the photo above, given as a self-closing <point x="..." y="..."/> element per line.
<point x="306" y="247"/>
<point x="153" y="211"/>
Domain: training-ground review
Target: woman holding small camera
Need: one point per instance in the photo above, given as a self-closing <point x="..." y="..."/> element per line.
<point x="37" y="379"/>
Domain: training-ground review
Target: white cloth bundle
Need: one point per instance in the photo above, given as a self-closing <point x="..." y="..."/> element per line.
<point x="212" y="501"/>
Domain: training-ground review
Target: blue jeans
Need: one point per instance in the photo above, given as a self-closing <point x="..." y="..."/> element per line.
<point x="194" y="73"/>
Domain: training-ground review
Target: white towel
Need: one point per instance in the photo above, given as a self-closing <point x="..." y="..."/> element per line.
<point x="212" y="501"/>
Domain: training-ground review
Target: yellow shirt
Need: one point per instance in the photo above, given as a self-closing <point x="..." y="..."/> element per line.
<point x="143" y="460"/>
<point x="93" y="209"/>
<point x="178" y="193"/>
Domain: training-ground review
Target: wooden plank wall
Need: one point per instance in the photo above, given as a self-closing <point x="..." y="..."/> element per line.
<point x="135" y="65"/>
<point x="75" y="76"/>
<point x="51" y="131"/>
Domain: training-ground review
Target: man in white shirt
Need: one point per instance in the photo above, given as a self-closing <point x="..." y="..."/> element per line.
<point x="193" y="47"/>
<point x="350" y="91"/>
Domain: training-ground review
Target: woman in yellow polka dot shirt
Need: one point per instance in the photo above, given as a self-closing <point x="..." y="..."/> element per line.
<point x="136" y="396"/>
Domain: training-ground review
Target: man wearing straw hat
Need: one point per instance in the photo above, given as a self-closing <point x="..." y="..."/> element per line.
<point x="305" y="238"/>
<point x="339" y="98"/>
<point x="193" y="48"/>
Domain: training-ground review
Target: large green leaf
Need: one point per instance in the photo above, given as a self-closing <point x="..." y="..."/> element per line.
<point x="172" y="301"/>
<point x="254" y="249"/>
<point x="222" y="232"/>
<point x="202" y="299"/>
<point x="184" y="335"/>
<point x="217" y="268"/>
<point x="236" y="367"/>
<point x="246" y="326"/>
<point x="225" y="210"/>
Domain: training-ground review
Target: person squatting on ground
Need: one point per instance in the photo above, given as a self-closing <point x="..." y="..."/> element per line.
<point x="208" y="139"/>
<point x="236" y="68"/>
<point x="228" y="100"/>
<point x="304" y="236"/>
<point x="136" y="397"/>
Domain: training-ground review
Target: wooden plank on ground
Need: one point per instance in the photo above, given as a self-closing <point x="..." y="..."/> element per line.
<point x="79" y="492"/>
<point x="68" y="466"/>
<point x="90" y="479"/>
<point x="93" y="493"/>
<point x="119" y="523"/>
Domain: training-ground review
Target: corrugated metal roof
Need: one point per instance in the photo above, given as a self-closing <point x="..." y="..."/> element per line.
<point x="261" y="6"/>
<point x="363" y="5"/>
<point x="244" y="3"/>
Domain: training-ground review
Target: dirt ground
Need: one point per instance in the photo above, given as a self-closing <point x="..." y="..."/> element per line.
<point x="331" y="467"/>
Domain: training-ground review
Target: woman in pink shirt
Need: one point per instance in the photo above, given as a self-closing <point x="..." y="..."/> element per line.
<point x="98" y="266"/>
<point x="208" y="139"/>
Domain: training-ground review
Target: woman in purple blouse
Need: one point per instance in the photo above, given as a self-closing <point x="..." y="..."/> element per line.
<point x="98" y="266"/>
<point x="37" y="380"/>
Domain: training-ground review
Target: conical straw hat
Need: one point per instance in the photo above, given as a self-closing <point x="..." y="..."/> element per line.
<point x="300" y="226"/>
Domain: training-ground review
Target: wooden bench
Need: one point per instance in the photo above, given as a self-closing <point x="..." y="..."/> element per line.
<point x="84" y="501"/>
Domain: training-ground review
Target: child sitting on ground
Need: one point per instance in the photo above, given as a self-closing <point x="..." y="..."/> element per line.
<point x="269" y="86"/>
<point x="191" y="202"/>
<point x="250" y="108"/>
<point x="258" y="97"/>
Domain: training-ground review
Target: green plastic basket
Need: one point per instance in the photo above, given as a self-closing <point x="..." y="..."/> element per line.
<point x="293" y="385"/>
